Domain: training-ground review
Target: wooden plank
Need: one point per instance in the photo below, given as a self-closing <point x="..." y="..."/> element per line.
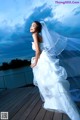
<point x="15" y="104"/>
<point x="20" y="112"/>
<point x="65" y="117"/>
<point x="21" y="108"/>
<point x="20" y="99"/>
<point x="26" y="104"/>
<point x="7" y="99"/>
<point x="6" y="103"/>
<point x="34" y="111"/>
<point x="30" y="107"/>
<point x="5" y="93"/>
<point x="40" y="114"/>
<point x="48" y="115"/>
<point x="57" y="116"/>
<point x="9" y="94"/>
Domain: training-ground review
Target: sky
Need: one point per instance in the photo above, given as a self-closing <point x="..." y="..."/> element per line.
<point x="16" y="17"/>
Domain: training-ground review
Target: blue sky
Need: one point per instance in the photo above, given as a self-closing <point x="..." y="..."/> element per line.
<point x="16" y="17"/>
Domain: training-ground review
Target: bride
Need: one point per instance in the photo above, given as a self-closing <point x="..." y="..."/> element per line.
<point x="49" y="76"/>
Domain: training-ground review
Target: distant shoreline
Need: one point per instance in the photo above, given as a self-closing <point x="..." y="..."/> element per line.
<point x="15" y="63"/>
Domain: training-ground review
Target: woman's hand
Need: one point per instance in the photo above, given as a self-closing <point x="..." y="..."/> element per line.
<point x="34" y="62"/>
<point x="33" y="65"/>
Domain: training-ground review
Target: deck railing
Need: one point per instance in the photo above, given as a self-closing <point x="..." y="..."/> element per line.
<point x="16" y="79"/>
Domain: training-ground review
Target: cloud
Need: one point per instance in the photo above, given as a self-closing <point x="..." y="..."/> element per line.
<point x="76" y="11"/>
<point x="16" y="41"/>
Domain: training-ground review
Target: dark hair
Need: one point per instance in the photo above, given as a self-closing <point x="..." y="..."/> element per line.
<point x="39" y="26"/>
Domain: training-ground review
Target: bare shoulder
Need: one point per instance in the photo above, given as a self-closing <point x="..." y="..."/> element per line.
<point x="35" y="35"/>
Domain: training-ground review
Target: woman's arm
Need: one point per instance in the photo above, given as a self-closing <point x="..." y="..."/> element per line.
<point x="37" y="53"/>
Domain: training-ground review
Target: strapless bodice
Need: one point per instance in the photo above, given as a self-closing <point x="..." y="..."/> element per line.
<point x="40" y="45"/>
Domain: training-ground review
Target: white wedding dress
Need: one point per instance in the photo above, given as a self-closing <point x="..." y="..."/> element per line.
<point x="50" y="78"/>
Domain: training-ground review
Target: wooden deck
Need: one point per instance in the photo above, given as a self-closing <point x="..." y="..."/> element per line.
<point x="25" y="104"/>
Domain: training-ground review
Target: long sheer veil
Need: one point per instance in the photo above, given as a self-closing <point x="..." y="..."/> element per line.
<point x="55" y="44"/>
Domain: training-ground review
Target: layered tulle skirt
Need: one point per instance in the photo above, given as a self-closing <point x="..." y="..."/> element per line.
<point x="51" y="79"/>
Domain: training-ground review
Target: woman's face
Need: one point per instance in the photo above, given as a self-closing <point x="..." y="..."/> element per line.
<point x="33" y="27"/>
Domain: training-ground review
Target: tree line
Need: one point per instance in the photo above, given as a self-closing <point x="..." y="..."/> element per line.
<point x="15" y="63"/>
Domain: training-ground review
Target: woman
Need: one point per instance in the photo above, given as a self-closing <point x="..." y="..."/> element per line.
<point x="48" y="75"/>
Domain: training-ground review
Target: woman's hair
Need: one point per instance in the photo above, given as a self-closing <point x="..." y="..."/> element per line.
<point x="39" y="28"/>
